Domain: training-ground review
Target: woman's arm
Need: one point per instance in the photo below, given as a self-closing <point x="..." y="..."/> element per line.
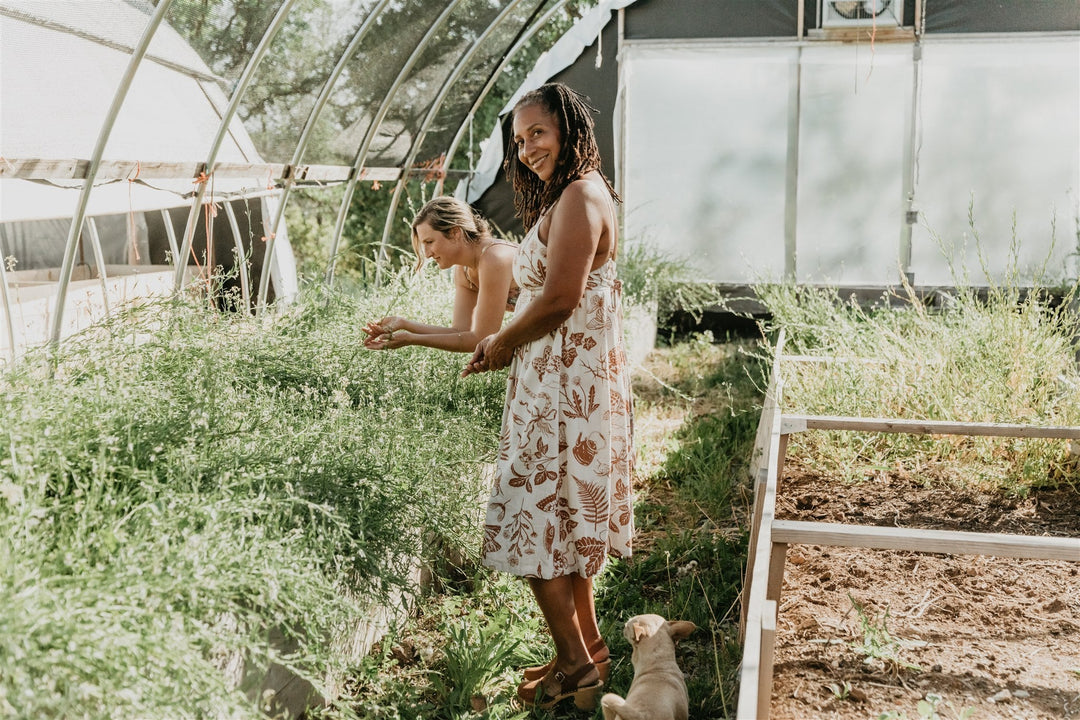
<point x="578" y="223"/>
<point x="477" y="313"/>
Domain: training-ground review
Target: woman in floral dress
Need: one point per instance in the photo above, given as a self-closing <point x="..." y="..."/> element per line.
<point x="561" y="501"/>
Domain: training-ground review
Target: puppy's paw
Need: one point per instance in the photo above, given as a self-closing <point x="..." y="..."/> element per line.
<point x="611" y="704"/>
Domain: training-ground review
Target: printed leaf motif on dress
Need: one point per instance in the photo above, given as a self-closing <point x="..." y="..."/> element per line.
<point x="491" y="543"/>
<point x="602" y="370"/>
<point x="594" y="502"/>
<point x="594" y="551"/>
<point x="559" y="563"/>
<point x="546" y="363"/>
<point x="560" y="507"/>
<point x="599" y="318"/>
<point x="520" y="533"/>
<point x="535" y="274"/>
<point x="543" y="475"/>
<point x="568" y="356"/>
<point x="578" y="406"/>
<point x="617" y="403"/>
<point x="620" y="499"/>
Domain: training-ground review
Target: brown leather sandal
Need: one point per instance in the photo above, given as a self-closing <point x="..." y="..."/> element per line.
<point x="534" y="694"/>
<point x="598" y="652"/>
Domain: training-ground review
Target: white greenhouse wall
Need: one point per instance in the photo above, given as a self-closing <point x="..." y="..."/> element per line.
<point x="1011" y="146"/>
<point x="760" y="160"/>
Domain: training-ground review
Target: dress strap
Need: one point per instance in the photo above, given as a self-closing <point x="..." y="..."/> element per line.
<point x="465" y="268"/>
<point x="496" y="242"/>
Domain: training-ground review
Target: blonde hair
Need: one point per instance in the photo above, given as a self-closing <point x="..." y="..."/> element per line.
<point x="443" y="214"/>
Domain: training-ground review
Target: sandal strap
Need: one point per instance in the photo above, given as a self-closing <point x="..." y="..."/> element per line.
<point x="571" y="682"/>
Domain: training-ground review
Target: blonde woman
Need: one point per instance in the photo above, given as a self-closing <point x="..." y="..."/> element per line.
<point x="449" y="232"/>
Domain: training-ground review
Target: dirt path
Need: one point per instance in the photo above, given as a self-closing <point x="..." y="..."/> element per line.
<point x="868" y="634"/>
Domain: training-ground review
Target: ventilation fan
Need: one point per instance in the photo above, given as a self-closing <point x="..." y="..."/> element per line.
<point x="848" y="13"/>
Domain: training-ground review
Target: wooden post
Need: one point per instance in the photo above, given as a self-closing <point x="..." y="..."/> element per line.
<point x="776" y="571"/>
<point x="768" y="653"/>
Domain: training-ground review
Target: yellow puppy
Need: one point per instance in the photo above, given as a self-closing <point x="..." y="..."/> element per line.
<point x="658" y="691"/>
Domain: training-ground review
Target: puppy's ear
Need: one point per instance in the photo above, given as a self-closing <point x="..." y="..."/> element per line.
<point x="680" y="629"/>
<point x="640" y="631"/>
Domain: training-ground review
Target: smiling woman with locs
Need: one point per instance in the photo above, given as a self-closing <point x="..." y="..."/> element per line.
<point x="561" y="500"/>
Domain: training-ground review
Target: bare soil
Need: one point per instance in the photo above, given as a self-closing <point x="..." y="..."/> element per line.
<point x="871" y="633"/>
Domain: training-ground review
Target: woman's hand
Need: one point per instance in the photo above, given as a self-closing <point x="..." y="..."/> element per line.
<point x="490" y="354"/>
<point x="386" y="334"/>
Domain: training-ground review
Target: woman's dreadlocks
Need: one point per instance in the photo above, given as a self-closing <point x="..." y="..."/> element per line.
<point x="579" y="154"/>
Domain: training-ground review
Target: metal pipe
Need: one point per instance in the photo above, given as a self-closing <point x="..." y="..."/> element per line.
<point x="436" y="105"/>
<point x="99" y="260"/>
<point x="525" y="37"/>
<point x="241" y="257"/>
<point x="95" y="161"/>
<point x="170" y="233"/>
<point x="223" y="129"/>
<point x="9" y="322"/>
<point x="620" y="108"/>
<point x="305" y="135"/>
<point x="361" y="155"/>
<point x="791" y="174"/>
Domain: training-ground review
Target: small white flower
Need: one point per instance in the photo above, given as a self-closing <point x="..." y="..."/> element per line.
<point x="11" y="492"/>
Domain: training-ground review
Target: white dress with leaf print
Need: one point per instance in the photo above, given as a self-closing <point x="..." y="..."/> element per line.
<point x="561" y="500"/>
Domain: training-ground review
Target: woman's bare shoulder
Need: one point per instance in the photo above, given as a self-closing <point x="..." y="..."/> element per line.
<point x="588" y="188"/>
<point x="587" y="193"/>
<point x="498" y="256"/>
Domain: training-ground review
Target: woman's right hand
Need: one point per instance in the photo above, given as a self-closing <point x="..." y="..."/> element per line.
<point x="491" y="354"/>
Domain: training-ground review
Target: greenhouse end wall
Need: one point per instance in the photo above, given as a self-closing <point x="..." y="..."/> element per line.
<point x="803" y="160"/>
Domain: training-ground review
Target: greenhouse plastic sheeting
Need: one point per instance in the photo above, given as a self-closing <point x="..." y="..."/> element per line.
<point x="800" y="170"/>
<point x="60" y="63"/>
<point x="560" y="56"/>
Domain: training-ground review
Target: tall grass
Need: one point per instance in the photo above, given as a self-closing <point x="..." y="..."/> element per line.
<point x="188" y="483"/>
<point x="1001" y="354"/>
<point x="691" y="548"/>
<point x="461" y="656"/>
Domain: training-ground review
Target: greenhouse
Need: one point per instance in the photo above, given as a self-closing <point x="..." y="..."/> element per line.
<point x="849" y="276"/>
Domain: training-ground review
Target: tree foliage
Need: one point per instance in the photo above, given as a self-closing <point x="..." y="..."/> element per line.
<point x="313" y="37"/>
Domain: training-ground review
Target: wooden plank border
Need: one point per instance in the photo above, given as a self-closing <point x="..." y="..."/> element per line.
<point x="800" y="423"/>
<point x="769" y="538"/>
<point x="758" y="613"/>
<point x="948" y="542"/>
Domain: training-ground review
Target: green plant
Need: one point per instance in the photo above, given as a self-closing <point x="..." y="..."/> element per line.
<point x="477" y="648"/>
<point x="877" y="642"/>
<point x="189" y="483"/>
<point x="1001" y="356"/>
<point x="841" y="690"/>
<point x="928" y="709"/>
<point x="653" y="278"/>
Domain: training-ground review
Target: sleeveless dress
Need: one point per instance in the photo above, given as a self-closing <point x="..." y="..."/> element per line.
<point x="561" y="500"/>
